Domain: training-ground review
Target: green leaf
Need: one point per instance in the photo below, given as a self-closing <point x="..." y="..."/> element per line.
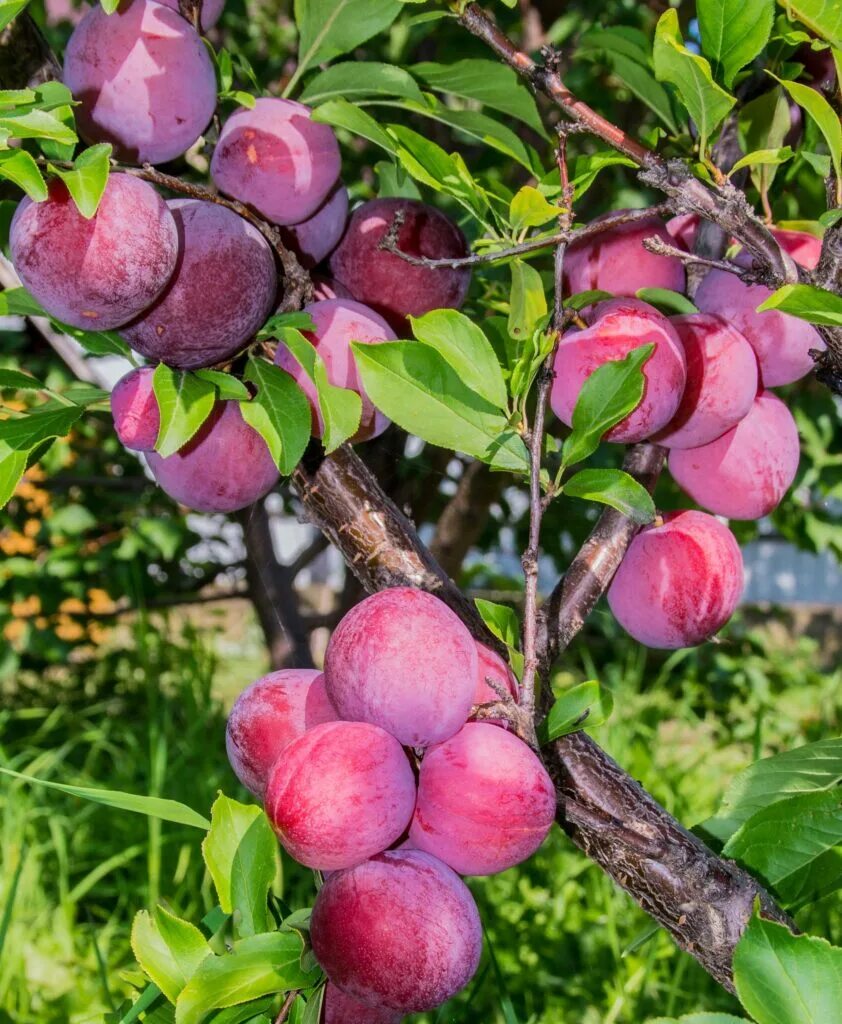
<point x="529" y="209"/>
<point x="580" y="706"/>
<point x="783" y="978"/>
<point x="583" y="299"/>
<point x="466" y="348"/>
<point x="781" y="839"/>
<point x="817" y="880"/>
<point x="643" y="84"/>
<point x="279" y="412"/>
<point x="297" y="321"/>
<point x="329" y="28"/>
<point x="37" y="124"/>
<point x="227" y="386"/>
<point x="18" y="381"/>
<point x="734" y="32"/>
<point x="20" y="168"/>
<point x="98" y="343"/>
<point x="340" y="408"/>
<point x="615" y="488"/>
<point x="763" y="125"/>
<point x="807" y="302"/>
<point x="707" y="103"/>
<point x="608" y="395"/>
<point x="501" y="620"/>
<point x="50" y="420"/>
<point x="667" y="301"/>
<point x="252" y="1012"/>
<point x="87" y="180"/>
<point x="587" y="168"/>
<point x="313" y="1010"/>
<point x="417" y="388"/>
<point x="700" y="1018"/>
<point x="527" y="301"/>
<point x="486" y="81"/>
<point x="184" y="401"/>
<point x="240" y="851"/>
<point x="257" y="966"/>
<point x="151" y="806"/>
<point x="342" y="114"/>
<point x="763" y="157"/>
<point x="10" y="9"/>
<point x="168" y="949"/>
<point x="444" y="172"/>
<point x="811" y="768"/>
<point x="826" y="118"/>
<point x="17" y="97"/>
<point x="13" y="463"/>
<point x="361" y="80"/>
<point x="822" y="17"/>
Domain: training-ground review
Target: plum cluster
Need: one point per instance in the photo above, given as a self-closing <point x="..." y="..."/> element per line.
<point x="373" y="773"/>
<point x="733" y="444"/>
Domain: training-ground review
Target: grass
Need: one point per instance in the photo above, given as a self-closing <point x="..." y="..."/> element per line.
<point x="563" y="943"/>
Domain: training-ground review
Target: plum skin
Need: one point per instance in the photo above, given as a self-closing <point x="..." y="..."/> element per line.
<point x="485" y="801"/>
<point x="73" y="275"/>
<point x="276" y="159"/>
<point x="339" y="322"/>
<point x="144" y="81"/>
<point x="340" y="1008"/>
<point x="385" y="282"/>
<point x="679" y="582"/>
<point x="226" y="466"/>
<point x="268" y="715"/>
<point x="315" y="238"/>
<point x="403" y="660"/>
<point x="616" y="327"/>
<point x="722" y="381"/>
<point x="745" y="473"/>
<point x="493" y="665"/>
<point x="223" y="288"/>
<point x="374" y="934"/>
<point x="341" y="793"/>
<point x="134" y="409"/>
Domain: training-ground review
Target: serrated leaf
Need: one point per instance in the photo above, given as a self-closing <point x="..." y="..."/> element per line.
<point x="37" y="124"/>
<point x="10" y="9"/>
<point x="825" y="117"/>
<point x="19" y="167"/>
<point x="464" y="345"/>
<point x="240" y="851"/>
<point x="361" y="79"/>
<point x="417" y="388"/>
<point x="28" y="430"/>
<point x="227" y="386"/>
<point x="807" y="302"/>
<point x="501" y="620"/>
<point x="734" y="32"/>
<point x="816" y="881"/>
<point x="615" y="488"/>
<point x="822" y="17"/>
<point x="168" y="949"/>
<point x="12" y="467"/>
<point x="587" y="168"/>
<point x="608" y="395"/>
<point x="527" y="301"/>
<point x="87" y="179"/>
<point x="184" y="402"/>
<point x="340" y="113"/>
<point x="279" y="412"/>
<point x="97" y="343"/>
<point x="580" y="706"/>
<point x="706" y="102"/>
<point x="783" y="978"/>
<point x="18" y="381"/>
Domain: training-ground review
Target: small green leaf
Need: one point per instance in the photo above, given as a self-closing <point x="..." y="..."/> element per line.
<point x="530" y="209"/>
<point x="823" y="114"/>
<point x="227" y="386"/>
<point x="615" y="488"/>
<point x="19" y="167"/>
<point x="280" y="321"/>
<point x="13" y="463"/>
<point x="313" y="1010"/>
<point x="184" y="401"/>
<point x="583" y="705"/>
<point x="734" y="32"/>
<point x="501" y="620"/>
<point x="528" y="303"/>
<point x="361" y="79"/>
<point x="807" y="302"/>
<point x="37" y="124"/>
<point x="763" y="157"/>
<point x="50" y="420"/>
<point x="279" y="412"/>
<point x="18" y="381"/>
<point x="10" y="9"/>
<point x="87" y="180"/>
<point x="581" y="300"/>
<point x="168" y="949"/>
<point x="340" y="113"/>
<point x="667" y="301"/>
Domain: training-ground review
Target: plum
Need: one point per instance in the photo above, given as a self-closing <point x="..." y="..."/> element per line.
<point x="680" y="581"/>
<point x="342" y="792"/>
<point x="492" y="665"/>
<point x="268" y="715"/>
<point x="95" y="273"/>
<point x="400" y="931"/>
<point x="745" y="473"/>
<point x="391" y="286"/>
<point x="143" y="79"/>
<point x="277" y="159"/>
<point x="134" y="409"/>
<point x="315" y="238"/>
<point x="340" y="1008"/>
<point x="403" y="660"/>
<point x="223" y="288"/>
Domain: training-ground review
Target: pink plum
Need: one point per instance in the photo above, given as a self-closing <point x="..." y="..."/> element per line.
<point x="721" y="381"/>
<point x="403" y="660"/>
<point x="616" y="328"/>
<point x="342" y="792"/>
<point x="135" y="410"/>
<point x="277" y="159"/>
<point x="745" y="473"/>
<point x="400" y="931"/>
<point x="315" y="238"/>
<point x="485" y="801"/>
<point x="680" y="581"/>
<point x="492" y="665"/>
<point x="340" y="1008"/>
<point x="268" y="715"/>
<point x="95" y="273"/>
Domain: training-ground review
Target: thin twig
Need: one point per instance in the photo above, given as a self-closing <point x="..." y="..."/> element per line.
<point x="662" y="248"/>
<point x="285" y="1009"/>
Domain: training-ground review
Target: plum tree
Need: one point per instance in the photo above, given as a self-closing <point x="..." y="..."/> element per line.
<point x="721" y="381"/>
<point x="211" y="11"/>
<point x="616" y="261"/>
<point x="403" y="660"/>
<point x="223" y="288"/>
<point x="745" y="473"/>
<point x="400" y="931"/>
<point x="342" y="792"/>
<point x="143" y="79"/>
<point x="680" y="581"/>
<point x="268" y="715"/>
<point x="277" y="159"/>
<point x="485" y="801"/>
<point x="492" y="665"/>
<point x="340" y="1008"/>
<point x="73" y="276"/>
<point x="338" y="323"/>
<point x="316" y="238"/>
<point x="226" y="465"/>
<point x="615" y="328"/>
<point x="134" y="409"/>
<point x="387" y="283"/>
<point x="782" y="342"/>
